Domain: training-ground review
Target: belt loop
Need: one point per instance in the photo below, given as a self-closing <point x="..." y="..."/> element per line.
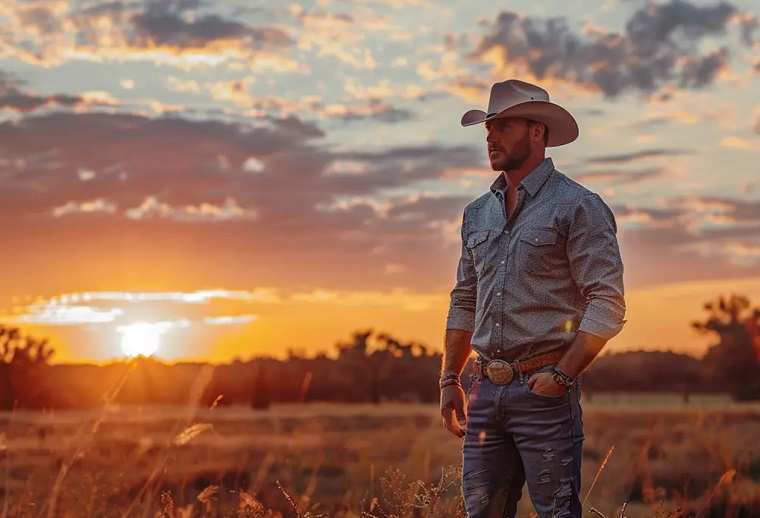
<point x="519" y="371"/>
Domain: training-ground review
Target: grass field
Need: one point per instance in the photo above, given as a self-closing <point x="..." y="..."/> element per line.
<point x="342" y="460"/>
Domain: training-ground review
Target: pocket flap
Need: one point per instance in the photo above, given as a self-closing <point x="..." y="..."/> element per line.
<point x="540" y="236"/>
<point x="476" y="238"/>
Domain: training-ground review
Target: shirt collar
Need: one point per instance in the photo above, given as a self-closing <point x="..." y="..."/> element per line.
<point x="532" y="182"/>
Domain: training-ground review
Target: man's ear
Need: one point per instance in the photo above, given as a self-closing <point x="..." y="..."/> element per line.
<point x="537" y="130"/>
<point x="540" y="130"/>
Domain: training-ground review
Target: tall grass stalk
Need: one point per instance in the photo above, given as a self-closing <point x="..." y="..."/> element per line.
<point x="599" y="472"/>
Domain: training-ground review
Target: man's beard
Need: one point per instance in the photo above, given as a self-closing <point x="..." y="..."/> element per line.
<point x="513" y="160"/>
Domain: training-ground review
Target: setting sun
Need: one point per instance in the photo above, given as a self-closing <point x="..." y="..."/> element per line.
<point x="140" y="338"/>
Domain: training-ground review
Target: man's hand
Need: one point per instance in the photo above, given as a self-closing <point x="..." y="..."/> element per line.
<point x="543" y="384"/>
<point x="454" y="409"/>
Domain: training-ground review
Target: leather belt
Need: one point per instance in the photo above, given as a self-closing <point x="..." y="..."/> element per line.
<point x="502" y="372"/>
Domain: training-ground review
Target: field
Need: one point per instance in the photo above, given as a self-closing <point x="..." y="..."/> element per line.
<point x="342" y="460"/>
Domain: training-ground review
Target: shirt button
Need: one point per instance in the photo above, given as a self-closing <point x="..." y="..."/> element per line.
<point x="497" y="324"/>
<point x="502" y="262"/>
<point x="498" y="294"/>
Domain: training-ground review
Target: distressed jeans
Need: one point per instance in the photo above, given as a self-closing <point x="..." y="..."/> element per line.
<point x="513" y="436"/>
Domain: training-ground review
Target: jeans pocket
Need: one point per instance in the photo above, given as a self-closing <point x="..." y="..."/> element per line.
<point x="544" y="397"/>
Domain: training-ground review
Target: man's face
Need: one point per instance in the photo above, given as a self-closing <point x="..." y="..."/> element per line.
<point x="509" y="143"/>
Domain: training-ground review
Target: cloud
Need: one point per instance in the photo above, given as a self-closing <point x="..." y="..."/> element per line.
<point x="374" y="110"/>
<point x="227" y="211"/>
<point x="14" y="99"/>
<point x="51" y="33"/>
<point x="98" y="205"/>
<point x="164" y="25"/>
<point x="638" y="155"/>
<point x="614" y="177"/>
<point x="174" y="309"/>
<point x="660" y="45"/>
<point x="236" y="197"/>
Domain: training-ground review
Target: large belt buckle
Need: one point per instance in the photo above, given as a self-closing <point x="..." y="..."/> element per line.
<point x="499" y="372"/>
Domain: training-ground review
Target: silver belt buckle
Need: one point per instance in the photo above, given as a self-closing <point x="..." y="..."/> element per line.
<point x="499" y="372"/>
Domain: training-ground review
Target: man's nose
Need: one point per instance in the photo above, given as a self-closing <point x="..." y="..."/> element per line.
<point x="491" y="137"/>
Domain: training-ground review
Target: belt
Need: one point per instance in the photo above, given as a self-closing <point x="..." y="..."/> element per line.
<point x="501" y="372"/>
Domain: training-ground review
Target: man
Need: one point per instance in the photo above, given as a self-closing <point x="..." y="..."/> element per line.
<point x="539" y="292"/>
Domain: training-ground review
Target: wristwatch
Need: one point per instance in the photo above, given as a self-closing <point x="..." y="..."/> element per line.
<point x="561" y="378"/>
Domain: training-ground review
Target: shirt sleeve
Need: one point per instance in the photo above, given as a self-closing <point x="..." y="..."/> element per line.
<point x="596" y="267"/>
<point x="464" y="295"/>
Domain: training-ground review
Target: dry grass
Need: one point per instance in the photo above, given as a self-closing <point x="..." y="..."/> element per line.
<point x="315" y="460"/>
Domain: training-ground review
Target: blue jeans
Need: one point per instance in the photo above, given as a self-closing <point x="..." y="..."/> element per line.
<point x="515" y="435"/>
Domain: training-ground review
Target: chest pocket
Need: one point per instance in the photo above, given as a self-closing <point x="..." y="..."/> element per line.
<point x="477" y="242"/>
<point x="537" y="249"/>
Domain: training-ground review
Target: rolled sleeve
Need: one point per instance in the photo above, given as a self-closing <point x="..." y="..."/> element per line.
<point x="464" y="295"/>
<point x="597" y="267"/>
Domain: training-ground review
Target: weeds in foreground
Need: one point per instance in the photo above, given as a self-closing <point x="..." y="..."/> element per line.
<point x="399" y="499"/>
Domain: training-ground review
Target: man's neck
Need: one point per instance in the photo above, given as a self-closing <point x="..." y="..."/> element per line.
<point x="515" y="176"/>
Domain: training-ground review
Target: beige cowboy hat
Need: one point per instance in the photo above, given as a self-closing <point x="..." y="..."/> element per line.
<point x="514" y="98"/>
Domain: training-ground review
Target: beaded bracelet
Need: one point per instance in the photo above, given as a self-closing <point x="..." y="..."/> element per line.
<point x="449" y="382"/>
<point x="561" y="378"/>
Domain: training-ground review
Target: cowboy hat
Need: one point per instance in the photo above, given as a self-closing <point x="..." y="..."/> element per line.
<point x="514" y="98"/>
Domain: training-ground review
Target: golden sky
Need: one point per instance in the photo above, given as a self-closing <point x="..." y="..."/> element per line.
<point x="240" y="179"/>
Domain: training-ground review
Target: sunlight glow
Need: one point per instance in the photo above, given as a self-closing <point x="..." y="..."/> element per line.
<point x="141" y="338"/>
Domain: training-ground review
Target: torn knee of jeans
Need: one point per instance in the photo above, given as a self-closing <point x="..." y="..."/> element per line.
<point x="476" y="485"/>
<point x="543" y="477"/>
<point x="475" y="479"/>
<point x="565" y="462"/>
<point x="562" y="498"/>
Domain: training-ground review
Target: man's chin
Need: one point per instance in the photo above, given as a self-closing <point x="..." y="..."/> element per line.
<point x="497" y="165"/>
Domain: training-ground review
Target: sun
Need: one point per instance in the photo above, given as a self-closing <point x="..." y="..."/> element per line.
<point x="140" y="338"/>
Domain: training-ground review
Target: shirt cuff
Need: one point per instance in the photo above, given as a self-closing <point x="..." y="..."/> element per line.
<point x="604" y="330"/>
<point x="461" y="319"/>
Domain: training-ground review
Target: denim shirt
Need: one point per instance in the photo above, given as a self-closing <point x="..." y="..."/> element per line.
<point x="526" y="286"/>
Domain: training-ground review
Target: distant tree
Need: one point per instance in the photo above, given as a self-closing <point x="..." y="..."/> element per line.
<point x="260" y="398"/>
<point x="19" y="356"/>
<point x="734" y="362"/>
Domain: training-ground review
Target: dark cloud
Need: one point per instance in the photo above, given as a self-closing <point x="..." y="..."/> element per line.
<point x="702" y="71"/>
<point x="638" y="155"/>
<point x="660" y="44"/>
<point x="27" y="103"/>
<point x="167" y="23"/>
<point x="749" y="24"/>
<point x="163" y="23"/>
<point x="167" y="28"/>
<point x="13" y="98"/>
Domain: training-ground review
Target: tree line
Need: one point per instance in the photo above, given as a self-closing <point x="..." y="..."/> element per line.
<point x="369" y="367"/>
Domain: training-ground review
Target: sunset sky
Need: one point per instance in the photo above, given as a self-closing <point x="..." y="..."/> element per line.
<point x="245" y="177"/>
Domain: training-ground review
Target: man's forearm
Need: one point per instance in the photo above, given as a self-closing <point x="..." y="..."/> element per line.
<point x="457" y="350"/>
<point x="582" y="352"/>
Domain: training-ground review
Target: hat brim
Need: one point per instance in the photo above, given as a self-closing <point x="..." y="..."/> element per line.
<point x="563" y="128"/>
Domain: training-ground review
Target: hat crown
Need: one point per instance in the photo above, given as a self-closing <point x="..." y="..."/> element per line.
<point x="511" y="93"/>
